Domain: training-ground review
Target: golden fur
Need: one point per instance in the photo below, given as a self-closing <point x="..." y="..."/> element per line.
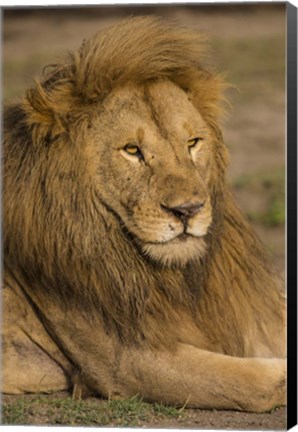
<point x="97" y="244"/>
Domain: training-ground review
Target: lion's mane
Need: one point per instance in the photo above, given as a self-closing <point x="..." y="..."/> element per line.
<point x="59" y="238"/>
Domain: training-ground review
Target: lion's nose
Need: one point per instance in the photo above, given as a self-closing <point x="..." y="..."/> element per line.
<point x="184" y="211"/>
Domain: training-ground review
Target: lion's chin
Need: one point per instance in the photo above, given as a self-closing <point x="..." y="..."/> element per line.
<point x="178" y="251"/>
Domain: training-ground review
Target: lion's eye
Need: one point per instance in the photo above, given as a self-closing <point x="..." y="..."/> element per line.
<point x="133" y="150"/>
<point x="193" y="142"/>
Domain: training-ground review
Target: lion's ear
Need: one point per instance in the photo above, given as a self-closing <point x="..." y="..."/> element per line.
<point x="207" y="92"/>
<point x="47" y="108"/>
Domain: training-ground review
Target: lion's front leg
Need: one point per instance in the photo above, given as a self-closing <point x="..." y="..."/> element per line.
<point x="31" y="361"/>
<point x="204" y="379"/>
<point x="183" y="375"/>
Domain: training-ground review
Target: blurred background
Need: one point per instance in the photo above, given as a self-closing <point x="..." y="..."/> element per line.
<point x="247" y="43"/>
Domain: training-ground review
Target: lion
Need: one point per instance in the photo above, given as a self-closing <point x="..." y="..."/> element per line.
<point x="128" y="267"/>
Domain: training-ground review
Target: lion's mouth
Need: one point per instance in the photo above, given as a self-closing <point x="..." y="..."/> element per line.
<point x="185" y="236"/>
<point x="179" y="250"/>
<point x="180" y="238"/>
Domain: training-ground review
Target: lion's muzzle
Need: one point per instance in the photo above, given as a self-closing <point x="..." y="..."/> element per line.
<point x="184" y="211"/>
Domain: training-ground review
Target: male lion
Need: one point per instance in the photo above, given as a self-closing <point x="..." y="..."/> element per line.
<point x="129" y="269"/>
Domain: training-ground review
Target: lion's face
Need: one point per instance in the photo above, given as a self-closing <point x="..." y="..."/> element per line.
<point x="150" y="151"/>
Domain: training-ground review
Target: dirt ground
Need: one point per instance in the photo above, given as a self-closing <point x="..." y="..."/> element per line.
<point x="248" y="45"/>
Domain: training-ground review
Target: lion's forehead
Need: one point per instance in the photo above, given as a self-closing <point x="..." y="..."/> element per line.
<point x="172" y="104"/>
<point x="159" y="109"/>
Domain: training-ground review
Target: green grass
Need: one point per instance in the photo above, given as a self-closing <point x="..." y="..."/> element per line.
<point x="271" y="184"/>
<point x="14" y="413"/>
<point x="41" y="410"/>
